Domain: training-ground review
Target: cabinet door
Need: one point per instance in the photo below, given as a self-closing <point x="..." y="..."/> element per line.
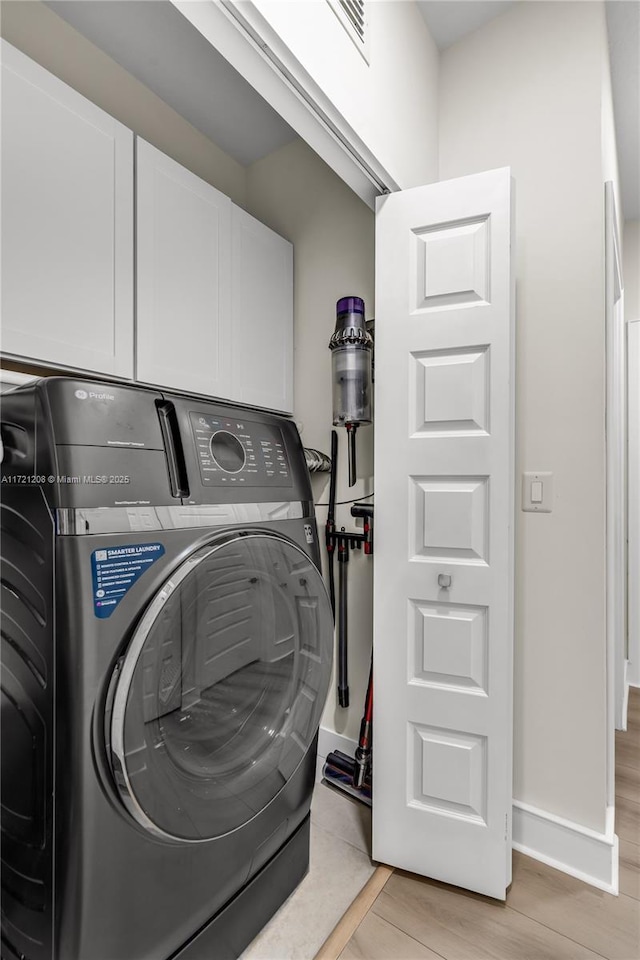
<point x="262" y="311"/>
<point x="67" y="224"/>
<point x="184" y="277"/>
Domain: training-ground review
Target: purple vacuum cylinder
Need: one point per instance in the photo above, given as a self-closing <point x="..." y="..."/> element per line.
<point x="351" y="347"/>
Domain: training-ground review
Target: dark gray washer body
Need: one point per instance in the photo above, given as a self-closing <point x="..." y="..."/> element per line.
<point x="82" y="878"/>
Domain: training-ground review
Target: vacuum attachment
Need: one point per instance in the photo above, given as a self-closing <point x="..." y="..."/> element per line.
<point x="339" y="770"/>
<point x="354" y="776"/>
<point x="351" y="347"/>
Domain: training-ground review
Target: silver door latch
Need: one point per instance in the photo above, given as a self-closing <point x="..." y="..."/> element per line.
<point x="444" y="580"/>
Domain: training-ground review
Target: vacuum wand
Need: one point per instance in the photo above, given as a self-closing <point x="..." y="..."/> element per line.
<point x="351" y="446"/>
<point x="353" y="775"/>
<point x="363" y="751"/>
<point x="331" y="520"/>
<point x="345" y="541"/>
<point x="343" y="674"/>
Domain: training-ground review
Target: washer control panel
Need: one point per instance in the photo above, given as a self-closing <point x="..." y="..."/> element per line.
<point x="239" y="452"/>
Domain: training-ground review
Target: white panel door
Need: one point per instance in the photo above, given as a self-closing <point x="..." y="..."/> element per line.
<point x="183" y="278"/>
<point x="444" y="462"/>
<point x="67" y="224"/>
<point x="262" y="311"/>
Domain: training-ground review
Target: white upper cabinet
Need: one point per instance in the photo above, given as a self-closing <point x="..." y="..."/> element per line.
<point x="262" y="312"/>
<point x="183" y="278"/>
<point x="67" y="224"/>
<point x="214" y="287"/>
<point x="214" y="291"/>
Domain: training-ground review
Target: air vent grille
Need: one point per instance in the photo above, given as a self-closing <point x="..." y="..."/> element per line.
<point x="354" y="9"/>
<point x="352" y="14"/>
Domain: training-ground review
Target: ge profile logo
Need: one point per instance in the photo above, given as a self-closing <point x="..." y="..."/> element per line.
<point x="81" y="394"/>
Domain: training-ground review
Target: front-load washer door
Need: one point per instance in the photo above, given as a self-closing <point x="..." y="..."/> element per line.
<point x="219" y="694"/>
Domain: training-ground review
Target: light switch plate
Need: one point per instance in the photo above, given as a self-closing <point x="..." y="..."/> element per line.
<point x="546" y="504"/>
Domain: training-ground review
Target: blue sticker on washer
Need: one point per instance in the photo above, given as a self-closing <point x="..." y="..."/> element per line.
<point x="116" y="569"/>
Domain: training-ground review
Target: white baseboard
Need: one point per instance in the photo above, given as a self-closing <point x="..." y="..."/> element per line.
<point x="562" y="844"/>
<point x="568" y="846"/>
<point x="329" y="740"/>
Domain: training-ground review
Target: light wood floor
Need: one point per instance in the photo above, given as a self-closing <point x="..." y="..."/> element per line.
<point x="547" y="916"/>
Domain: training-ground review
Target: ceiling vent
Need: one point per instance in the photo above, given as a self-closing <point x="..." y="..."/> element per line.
<point x="352" y="14"/>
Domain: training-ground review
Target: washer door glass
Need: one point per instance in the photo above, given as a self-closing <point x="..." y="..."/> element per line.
<point x="220" y="692"/>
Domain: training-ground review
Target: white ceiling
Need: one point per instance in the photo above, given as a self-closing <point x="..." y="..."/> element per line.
<point x="155" y="43"/>
<point x="451" y="20"/>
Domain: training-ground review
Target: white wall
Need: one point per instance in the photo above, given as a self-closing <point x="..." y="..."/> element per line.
<point x="45" y="37"/>
<point x="391" y="101"/>
<point x="631" y="275"/>
<point x="332" y="231"/>
<point x="631" y="269"/>
<point x="526" y="91"/>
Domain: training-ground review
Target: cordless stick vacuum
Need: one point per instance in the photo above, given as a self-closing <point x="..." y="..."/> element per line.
<point x="351" y="775"/>
<point x="351" y="354"/>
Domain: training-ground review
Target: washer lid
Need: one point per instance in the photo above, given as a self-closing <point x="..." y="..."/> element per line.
<point x="219" y="694"/>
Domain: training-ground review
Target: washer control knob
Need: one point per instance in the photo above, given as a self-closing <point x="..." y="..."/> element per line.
<point x="227" y="451"/>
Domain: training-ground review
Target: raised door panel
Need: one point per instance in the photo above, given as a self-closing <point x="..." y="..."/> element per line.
<point x="183" y="278"/>
<point x="262" y="311"/>
<point x="67" y="224"/>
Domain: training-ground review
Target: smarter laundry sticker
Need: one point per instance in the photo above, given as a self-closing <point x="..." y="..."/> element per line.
<point x="116" y="569"/>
